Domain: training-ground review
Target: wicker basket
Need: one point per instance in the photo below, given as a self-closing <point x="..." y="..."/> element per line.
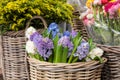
<point x="79" y="26"/>
<point x="111" y="70"/>
<point x="63" y="71"/>
<point x="14" y="60"/>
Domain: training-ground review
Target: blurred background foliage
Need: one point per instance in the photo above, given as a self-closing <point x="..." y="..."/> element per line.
<point x="15" y="13"/>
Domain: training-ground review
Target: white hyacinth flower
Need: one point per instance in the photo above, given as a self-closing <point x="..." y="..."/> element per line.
<point x="29" y="32"/>
<point x="96" y="52"/>
<point x="30" y="47"/>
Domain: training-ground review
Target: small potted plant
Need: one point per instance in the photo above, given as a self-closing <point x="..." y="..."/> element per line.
<point x="54" y="54"/>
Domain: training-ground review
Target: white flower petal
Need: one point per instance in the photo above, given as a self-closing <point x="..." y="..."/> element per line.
<point x="30" y="47"/>
<point x="96" y="52"/>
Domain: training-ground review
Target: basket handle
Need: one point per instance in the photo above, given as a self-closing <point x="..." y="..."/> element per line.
<point x="36" y="17"/>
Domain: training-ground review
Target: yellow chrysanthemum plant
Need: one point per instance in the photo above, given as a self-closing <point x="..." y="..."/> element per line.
<point x="14" y="14"/>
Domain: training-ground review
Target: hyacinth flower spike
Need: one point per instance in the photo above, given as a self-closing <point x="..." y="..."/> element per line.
<point x="53" y="28"/>
<point x="44" y="45"/>
<point x="82" y="51"/>
<point x="66" y="33"/>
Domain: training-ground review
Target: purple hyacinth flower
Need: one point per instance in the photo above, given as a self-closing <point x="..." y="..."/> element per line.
<point x="35" y="36"/>
<point x="73" y="33"/>
<point x="65" y="42"/>
<point x="82" y="50"/>
<point x="44" y="47"/>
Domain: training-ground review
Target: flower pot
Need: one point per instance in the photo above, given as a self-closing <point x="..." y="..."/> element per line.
<point x="63" y="71"/>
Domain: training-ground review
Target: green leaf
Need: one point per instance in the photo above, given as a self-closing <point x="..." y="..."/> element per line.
<point x="91" y="44"/>
<point x="50" y="35"/>
<point x="55" y="42"/>
<point x="36" y="56"/>
<point x="58" y="54"/>
<point x="31" y="55"/>
<point x="45" y="33"/>
<point x="64" y="55"/>
<point x="76" y="39"/>
<point x="99" y="59"/>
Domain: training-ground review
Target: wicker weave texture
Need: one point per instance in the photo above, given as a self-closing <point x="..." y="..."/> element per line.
<point x="111" y="70"/>
<point x="63" y="71"/>
<point x="14" y="58"/>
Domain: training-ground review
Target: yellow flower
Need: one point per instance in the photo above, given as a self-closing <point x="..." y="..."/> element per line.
<point x="13" y="26"/>
<point x="37" y="11"/>
<point x="113" y="0"/>
<point x="89" y="3"/>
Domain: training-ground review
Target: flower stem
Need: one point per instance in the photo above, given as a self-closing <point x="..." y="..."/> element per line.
<point x="70" y="59"/>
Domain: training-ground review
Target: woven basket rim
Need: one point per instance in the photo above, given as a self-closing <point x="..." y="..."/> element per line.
<point x="64" y="64"/>
<point x="107" y="48"/>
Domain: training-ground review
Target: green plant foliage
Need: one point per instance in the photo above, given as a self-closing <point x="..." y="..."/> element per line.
<point x="15" y="13"/>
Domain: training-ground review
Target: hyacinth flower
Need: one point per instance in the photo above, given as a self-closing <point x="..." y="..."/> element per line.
<point x="63" y="47"/>
<point x="44" y="45"/>
<point x="95" y="53"/>
<point x="53" y="29"/>
<point x="66" y="33"/>
<point x="29" y="32"/>
<point x="82" y="51"/>
<point x="30" y="47"/>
